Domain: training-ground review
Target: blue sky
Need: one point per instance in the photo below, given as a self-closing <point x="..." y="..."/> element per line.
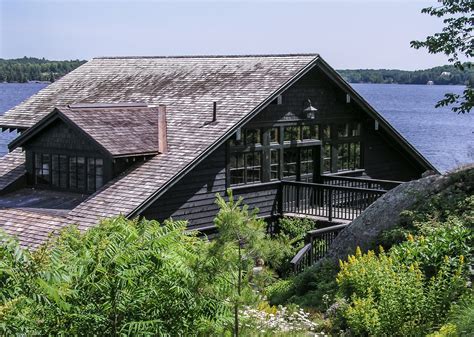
<point x="347" y="33"/>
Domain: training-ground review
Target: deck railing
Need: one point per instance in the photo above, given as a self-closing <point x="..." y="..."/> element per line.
<point x="318" y="244"/>
<point x="328" y="201"/>
<point x="359" y="182"/>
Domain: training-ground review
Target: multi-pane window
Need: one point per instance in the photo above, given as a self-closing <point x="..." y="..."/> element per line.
<point x="326" y="132"/>
<point x="326" y="158"/>
<point x="237" y="169"/>
<point x="292" y="133"/>
<point x="77" y="170"/>
<point x="59" y="170"/>
<point x="76" y="173"/>
<point x="280" y="152"/>
<point x="354" y="156"/>
<point x="290" y="162"/>
<point x="245" y="168"/>
<point x="42" y="168"/>
<point x="304" y="132"/>
<point x="275" y="135"/>
<point x="306" y="161"/>
<point x="253" y="166"/>
<point x="342" y="157"/>
<point x="310" y="132"/>
<point x="95" y="171"/>
<point x="341" y="152"/>
<point x="275" y="164"/>
<point x="348" y="156"/>
<point x="252" y="136"/>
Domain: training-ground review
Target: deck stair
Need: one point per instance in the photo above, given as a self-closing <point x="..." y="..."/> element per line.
<point x="338" y="200"/>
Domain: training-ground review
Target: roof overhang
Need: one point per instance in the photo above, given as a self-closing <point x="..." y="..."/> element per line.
<point x="44" y="123"/>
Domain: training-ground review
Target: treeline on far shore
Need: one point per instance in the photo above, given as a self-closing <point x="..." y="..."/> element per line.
<point x="447" y="74"/>
<point x="34" y="69"/>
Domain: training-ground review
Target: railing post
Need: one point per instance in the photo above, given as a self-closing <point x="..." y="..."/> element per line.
<point x="330" y="204"/>
<point x="280" y="199"/>
<point x="311" y="250"/>
<point x="297" y="192"/>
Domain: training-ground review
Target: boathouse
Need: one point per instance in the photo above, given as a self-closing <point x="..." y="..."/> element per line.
<point x="158" y="137"/>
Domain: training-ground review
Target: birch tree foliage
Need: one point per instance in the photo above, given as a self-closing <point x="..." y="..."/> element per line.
<point x="456" y="42"/>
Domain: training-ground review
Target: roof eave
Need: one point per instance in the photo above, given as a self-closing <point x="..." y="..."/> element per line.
<point x="135" y="154"/>
<point x="44" y="123"/>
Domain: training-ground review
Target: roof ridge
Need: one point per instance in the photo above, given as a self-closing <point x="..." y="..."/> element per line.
<point x="205" y="56"/>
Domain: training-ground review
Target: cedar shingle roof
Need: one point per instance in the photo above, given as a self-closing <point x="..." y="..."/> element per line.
<point x="188" y="86"/>
<point x="30" y="227"/>
<point x="120" y="130"/>
<point x="12" y="167"/>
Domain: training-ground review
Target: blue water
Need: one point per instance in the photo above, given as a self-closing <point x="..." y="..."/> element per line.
<point x="442" y="136"/>
<point x="12" y="94"/>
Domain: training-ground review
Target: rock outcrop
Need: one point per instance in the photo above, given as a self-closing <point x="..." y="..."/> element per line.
<point x="384" y="214"/>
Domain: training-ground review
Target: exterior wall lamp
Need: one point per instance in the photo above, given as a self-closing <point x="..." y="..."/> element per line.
<point x="310" y="110"/>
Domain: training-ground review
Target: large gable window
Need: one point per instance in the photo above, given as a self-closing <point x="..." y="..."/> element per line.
<point x="293" y="151"/>
<point x="245" y="168"/>
<point x="273" y="153"/>
<point x="74" y="173"/>
<point x="341" y="148"/>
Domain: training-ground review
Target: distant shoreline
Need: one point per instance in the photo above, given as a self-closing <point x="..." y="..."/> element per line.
<point x="435" y="84"/>
<point x="29" y="69"/>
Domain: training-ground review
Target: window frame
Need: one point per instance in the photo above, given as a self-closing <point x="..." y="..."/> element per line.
<point x="267" y="146"/>
<point x="335" y="142"/>
<point x="66" y="173"/>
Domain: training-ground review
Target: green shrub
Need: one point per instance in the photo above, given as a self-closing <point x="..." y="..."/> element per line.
<point x="455" y="201"/>
<point x="279" y="292"/>
<point x="295" y="228"/>
<point x="429" y="251"/>
<point x="121" y="277"/>
<point x="388" y="297"/>
<point x="462" y="316"/>
<point x="314" y="288"/>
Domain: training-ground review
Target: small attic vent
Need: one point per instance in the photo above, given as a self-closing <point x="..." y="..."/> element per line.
<point x="106" y="105"/>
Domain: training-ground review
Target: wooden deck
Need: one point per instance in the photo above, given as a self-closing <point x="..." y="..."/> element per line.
<point x="326" y="201"/>
<point x="317" y="218"/>
<point x="336" y="201"/>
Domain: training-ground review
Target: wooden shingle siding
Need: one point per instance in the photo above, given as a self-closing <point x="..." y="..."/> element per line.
<point x="384" y="159"/>
<point x="61" y="138"/>
<point x="193" y="199"/>
<point x="324" y="95"/>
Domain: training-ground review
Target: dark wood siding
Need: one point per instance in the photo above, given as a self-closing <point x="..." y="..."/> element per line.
<point x="385" y="159"/>
<point x="193" y="198"/>
<point x="59" y="137"/>
<point x="324" y="95"/>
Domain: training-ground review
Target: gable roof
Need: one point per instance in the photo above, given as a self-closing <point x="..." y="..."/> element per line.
<point x="241" y="85"/>
<point x="119" y="130"/>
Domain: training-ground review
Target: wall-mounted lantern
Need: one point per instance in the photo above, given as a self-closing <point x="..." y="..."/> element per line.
<point x="310" y="110"/>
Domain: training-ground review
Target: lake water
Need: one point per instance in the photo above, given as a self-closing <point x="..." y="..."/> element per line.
<point x="442" y="136"/>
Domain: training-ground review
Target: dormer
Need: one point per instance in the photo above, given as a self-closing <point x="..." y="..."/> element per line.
<point x="80" y="147"/>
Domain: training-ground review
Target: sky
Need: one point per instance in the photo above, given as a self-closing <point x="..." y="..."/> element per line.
<point x="349" y="34"/>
